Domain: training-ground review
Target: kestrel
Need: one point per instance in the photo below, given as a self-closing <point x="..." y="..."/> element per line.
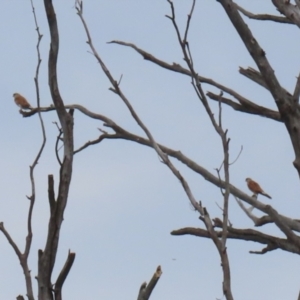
<point x="21" y="101"/>
<point x="255" y="188"/>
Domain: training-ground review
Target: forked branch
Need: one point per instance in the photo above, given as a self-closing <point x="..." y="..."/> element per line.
<point x="146" y="289"/>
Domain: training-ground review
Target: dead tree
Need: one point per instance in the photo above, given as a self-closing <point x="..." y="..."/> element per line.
<point x="219" y="231"/>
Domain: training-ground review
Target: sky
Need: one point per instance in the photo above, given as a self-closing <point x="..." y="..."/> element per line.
<point x="123" y="201"/>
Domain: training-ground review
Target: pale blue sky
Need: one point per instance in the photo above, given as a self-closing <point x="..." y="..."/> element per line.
<point x="123" y="202"/>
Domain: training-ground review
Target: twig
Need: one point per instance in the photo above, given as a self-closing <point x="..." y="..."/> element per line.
<point x="98" y="140"/>
<point x="58" y="138"/>
<point x="189" y="18"/>
<point x="241" y="150"/>
<point x="296" y="94"/>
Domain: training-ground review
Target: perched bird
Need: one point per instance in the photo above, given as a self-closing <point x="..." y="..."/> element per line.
<point x="21" y="101"/>
<point x="255" y="188"/>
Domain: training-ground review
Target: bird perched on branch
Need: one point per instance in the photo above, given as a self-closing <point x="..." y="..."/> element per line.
<point x="21" y="101"/>
<point x="255" y="188"/>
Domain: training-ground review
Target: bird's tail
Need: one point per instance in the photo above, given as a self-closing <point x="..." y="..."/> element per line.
<point x="266" y="195"/>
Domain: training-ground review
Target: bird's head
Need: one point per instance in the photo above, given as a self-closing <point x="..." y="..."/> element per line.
<point x="16" y="95"/>
<point x="248" y="179"/>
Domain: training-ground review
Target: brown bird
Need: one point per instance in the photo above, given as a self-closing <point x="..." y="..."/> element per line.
<point x="255" y="188"/>
<point x="21" y="101"/>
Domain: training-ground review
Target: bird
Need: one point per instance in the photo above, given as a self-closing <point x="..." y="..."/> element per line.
<point x="21" y="101"/>
<point x="255" y="188"/>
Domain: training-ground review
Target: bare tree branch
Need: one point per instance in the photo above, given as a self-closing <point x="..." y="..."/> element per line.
<point x="63" y="275"/>
<point x="23" y="257"/>
<point x="146" y="290"/>
<point x="123" y="134"/>
<point x="98" y="140"/>
<point x="248" y="211"/>
<point x="58" y="139"/>
<point x="255" y="76"/>
<point x="11" y="241"/>
<point x="263" y="17"/>
<point x="246" y="105"/>
<point x="282" y="226"/>
<point x="220" y="245"/>
<point x="296" y="94"/>
<point x="250" y="107"/>
<point x="116" y="89"/>
<point x="289" y="111"/>
<point x="245" y="235"/>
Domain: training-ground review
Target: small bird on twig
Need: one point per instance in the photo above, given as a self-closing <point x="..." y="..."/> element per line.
<point x="21" y="101"/>
<point x="255" y="188"/>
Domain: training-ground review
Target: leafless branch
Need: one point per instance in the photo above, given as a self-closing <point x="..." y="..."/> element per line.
<point x="98" y="140"/>
<point x="257" y="77"/>
<point x="245" y="104"/>
<point x="58" y="138"/>
<point x="295" y="239"/>
<point x="245" y="235"/>
<point x="146" y="290"/>
<point x="248" y="107"/>
<point x="126" y="135"/>
<point x="269" y="248"/>
<point x="241" y="150"/>
<point x="296" y="94"/>
<point x="220" y="245"/>
<point x="247" y="211"/>
<point x="51" y="194"/>
<point x="291" y="224"/>
<point x="254" y="75"/>
<point x="116" y="89"/>
<point x="10" y="240"/>
<point x="35" y="162"/>
<point x="63" y="275"/>
<point x="189" y="18"/>
<point x="282" y="99"/>
<point x="263" y="17"/>
<point x="23" y="258"/>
